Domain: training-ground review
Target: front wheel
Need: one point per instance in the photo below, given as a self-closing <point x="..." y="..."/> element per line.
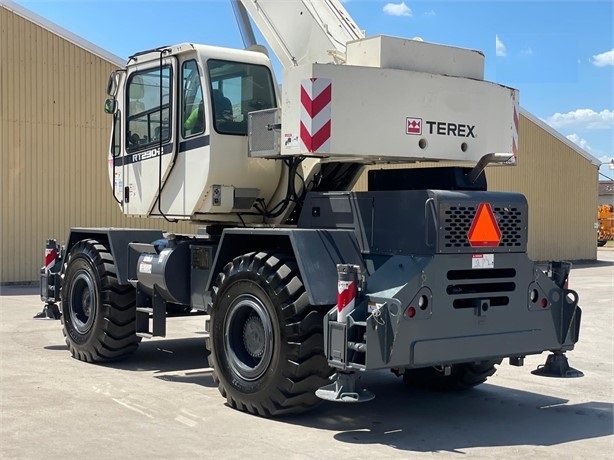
<point x="98" y="314"/>
<point x="266" y="340"/>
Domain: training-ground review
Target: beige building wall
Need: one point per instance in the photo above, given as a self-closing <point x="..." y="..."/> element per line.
<point x="53" y="144"/>
<point x="561" y="188"/>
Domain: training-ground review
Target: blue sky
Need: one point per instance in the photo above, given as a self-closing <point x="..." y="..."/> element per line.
<point x="559" y="54"/>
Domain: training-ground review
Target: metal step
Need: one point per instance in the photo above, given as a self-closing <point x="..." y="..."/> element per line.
<point x="151" y="321"/>
<point x="142" y="322"/>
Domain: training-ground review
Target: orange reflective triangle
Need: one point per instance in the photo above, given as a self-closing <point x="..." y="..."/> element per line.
<point x="484" y="229"/>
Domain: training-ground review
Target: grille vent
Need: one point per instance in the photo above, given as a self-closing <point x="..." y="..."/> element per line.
<point x="457" y="222"/>
<point x="472" y="288"/>
<point x="510" y="224"/>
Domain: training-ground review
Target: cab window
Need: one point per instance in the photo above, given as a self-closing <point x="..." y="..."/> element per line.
<point x="148" y="108"/>
<point x="192" y="108"/>
<point x="236" y="89"/>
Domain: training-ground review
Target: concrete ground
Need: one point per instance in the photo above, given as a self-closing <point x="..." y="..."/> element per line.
<point x="162" y="403"/>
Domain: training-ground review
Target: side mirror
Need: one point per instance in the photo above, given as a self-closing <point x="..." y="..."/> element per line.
<point x="110" y="106"/>
<point x="113" y="84"/>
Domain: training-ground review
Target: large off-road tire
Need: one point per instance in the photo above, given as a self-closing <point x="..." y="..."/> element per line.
<point x="463" y="376"/>
<point x="266" y="342"/>
<point x="98" y="314"/>
<point x="601" y="243"/>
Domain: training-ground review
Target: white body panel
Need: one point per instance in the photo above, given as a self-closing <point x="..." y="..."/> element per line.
<point x="403" y="54"/>
<point x="462" y="119"/>
<point x="189" y="189"/>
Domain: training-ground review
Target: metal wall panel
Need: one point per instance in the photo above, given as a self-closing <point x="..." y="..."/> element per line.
<point x="53" y="143"/>
<point x="561" y="189"/>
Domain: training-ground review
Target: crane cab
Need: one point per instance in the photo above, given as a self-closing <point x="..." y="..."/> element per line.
<point x="178" y="147"/>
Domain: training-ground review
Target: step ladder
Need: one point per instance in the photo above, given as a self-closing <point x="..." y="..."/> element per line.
<point x="150" y="315"/>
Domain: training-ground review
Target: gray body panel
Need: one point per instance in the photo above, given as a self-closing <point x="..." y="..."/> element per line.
<point x="426" y="298"/>
<point x="462" y="327"/>
<point x="317" y="254"/>
<point x="118" y="239"/>
<point x="417" y="222"/>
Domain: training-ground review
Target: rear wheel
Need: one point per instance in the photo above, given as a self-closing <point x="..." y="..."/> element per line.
<point x="462" y="376"/>
<point x="266" y="340"/>
<point x="98" y="314"/>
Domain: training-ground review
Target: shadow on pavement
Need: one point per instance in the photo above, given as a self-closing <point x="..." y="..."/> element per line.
<point x="181" y="360"/>
<point x="56" y="347"/>
<point x="486" y="416"/>
<point x="592" y="264"/>
<point x="21" y="289"/>
<point x="406" y="419"/>
<point x="167" y="355"/>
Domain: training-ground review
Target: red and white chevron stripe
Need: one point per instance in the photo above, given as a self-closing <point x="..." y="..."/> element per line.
<point x="346" y="299"/>
<point x="50" y="257"/>
<point x="316" y="97"/>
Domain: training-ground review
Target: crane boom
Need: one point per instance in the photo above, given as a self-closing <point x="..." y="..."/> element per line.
<point x="304" y="31"/>
<point x="245" y="27"/>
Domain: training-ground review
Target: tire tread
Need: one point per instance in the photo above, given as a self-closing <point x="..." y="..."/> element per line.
<point x="304" y="366"/>
<point x="113" y="335"/>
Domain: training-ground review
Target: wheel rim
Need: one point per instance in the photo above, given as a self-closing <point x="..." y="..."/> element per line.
<point x="83" y="302"/>
<point x="248" y="337"/>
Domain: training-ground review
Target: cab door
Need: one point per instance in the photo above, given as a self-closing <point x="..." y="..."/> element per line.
<point x="149" y="137"/>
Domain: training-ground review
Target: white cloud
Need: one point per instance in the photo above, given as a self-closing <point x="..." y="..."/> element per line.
<point x="526" y="52"/>
<point x="583" y="118"/>
<point x="429" y="13"/>
<point x="397" y="9"/>
<point x="583" y="143"/>
<point x="603" y="59"/>
<point x="500" y="48"/>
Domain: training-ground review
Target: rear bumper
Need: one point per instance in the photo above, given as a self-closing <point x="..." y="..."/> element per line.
<point x="431" y="352"/>
<point x="439" y="311"/>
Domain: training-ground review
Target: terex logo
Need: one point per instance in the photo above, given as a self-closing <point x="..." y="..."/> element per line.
<point x="443" y="128"/>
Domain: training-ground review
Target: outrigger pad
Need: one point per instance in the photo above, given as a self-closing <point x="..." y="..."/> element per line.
<point x="50" y="311"/>
<point x="557" y="366"/>
<point x="344" y="389"/>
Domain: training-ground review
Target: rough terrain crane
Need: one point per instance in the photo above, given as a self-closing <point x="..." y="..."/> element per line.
<point x="305" y="282"/>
